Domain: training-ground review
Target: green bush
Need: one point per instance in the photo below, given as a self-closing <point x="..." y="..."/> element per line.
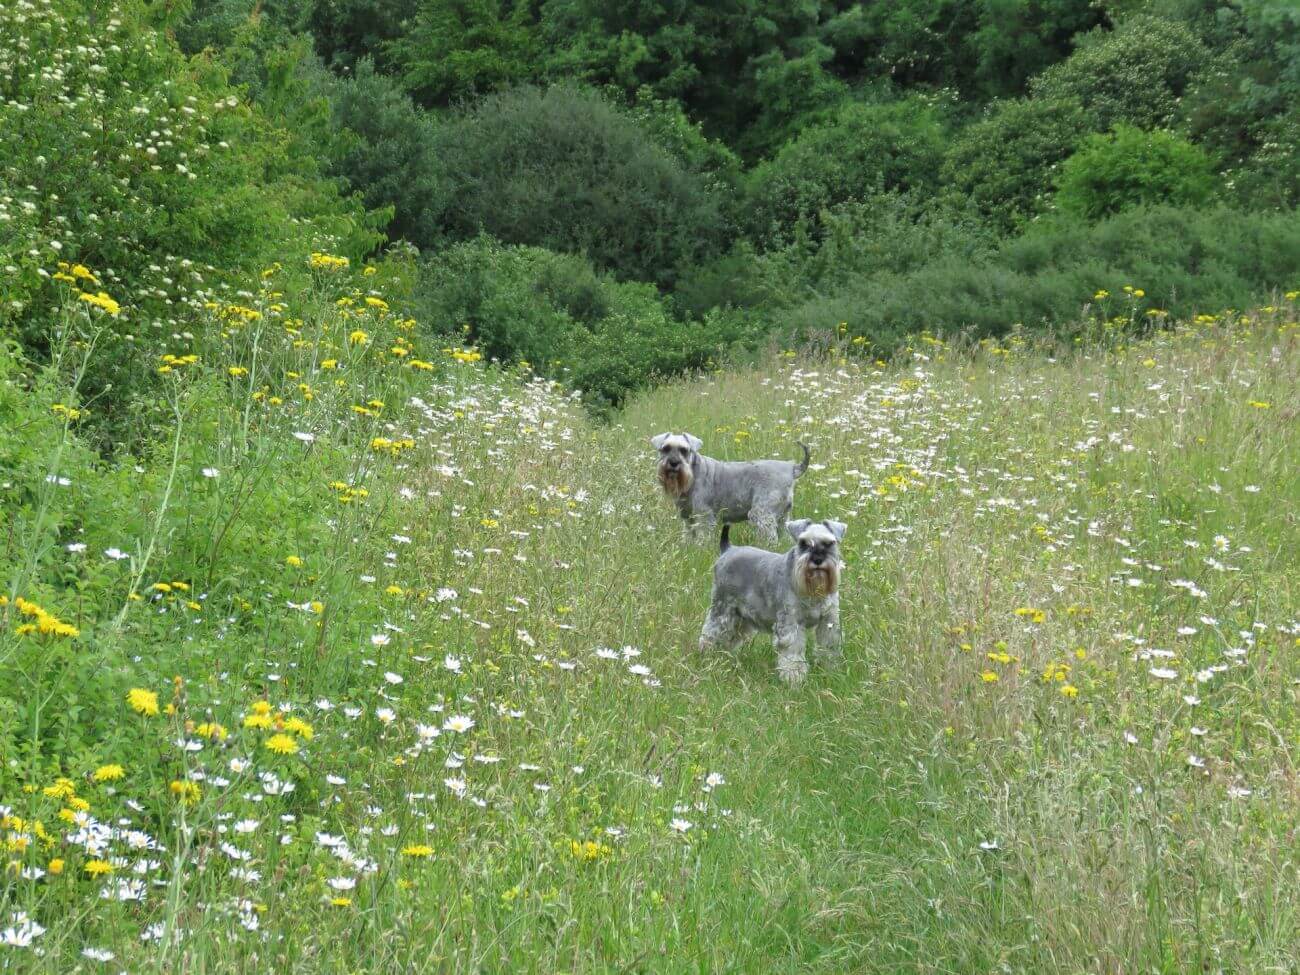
<point x="555" y="312"/>
<point x="1130" y="168"/>
<point x="1004" y="164"/>
<point x="862" y="150"/>
<point x="1136" y="73"/>
<point x="453" y="49"/>
<point x="566" y="170"/>
<point x="386" y="151"/>
<point x="1186" y="261"/>
<point x="150" y="171"/>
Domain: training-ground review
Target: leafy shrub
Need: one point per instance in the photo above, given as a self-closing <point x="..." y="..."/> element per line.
<point x="349" y="31"/>
<point x="557" y="313"/>
<point x="788" y="94"/>
<point x="1186" y="261"/>
<point x="565" y="170"/>
<point x="1017" y="39"/>
<point x="1130" y="168"/>
<point x="862" y="150"/>
<point x="386" y="152"/>
<point x="454" y="49"/>
<point x="1135" y="73"/>
<point x="118" y="155"/>
<point x="1004" y="163"/>
<point x="887" y="233"/>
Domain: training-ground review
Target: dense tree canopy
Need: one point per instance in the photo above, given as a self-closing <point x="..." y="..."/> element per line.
<point x="738" y="171"/>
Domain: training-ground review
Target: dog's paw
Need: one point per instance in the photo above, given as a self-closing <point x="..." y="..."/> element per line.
<point x="792" y="671"/>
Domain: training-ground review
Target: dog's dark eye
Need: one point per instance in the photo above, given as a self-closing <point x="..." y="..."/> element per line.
<point x="803" y="546"/>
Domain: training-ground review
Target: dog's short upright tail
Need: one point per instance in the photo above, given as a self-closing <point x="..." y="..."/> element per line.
<point x="725" y="542"/>
<point x="799" y="469"/>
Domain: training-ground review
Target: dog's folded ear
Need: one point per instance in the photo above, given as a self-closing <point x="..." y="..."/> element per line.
<point x="796" y="528"/>
<point x="837" y="528"/>
<point x="658" y="439"/>
<point x="695" y="442"/>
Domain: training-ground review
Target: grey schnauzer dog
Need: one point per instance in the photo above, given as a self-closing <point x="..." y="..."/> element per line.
<point x="707" y="491"/>
<point x="782" y="593"/>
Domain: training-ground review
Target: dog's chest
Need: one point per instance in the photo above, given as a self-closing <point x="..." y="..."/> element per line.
<point x="812" y="610"/>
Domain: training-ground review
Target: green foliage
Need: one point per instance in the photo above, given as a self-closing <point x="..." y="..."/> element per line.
<point x="1131" y="168"/>
<point x="694" y="52"/>
<point x="349" y="31"/>
<point x="1187" y="261"/>
<point x="1004" y="163"/>
<point x="386" y="150"/>
<point x="1135" y="73"/>
<point x="564" y="169"/>
<point x="789" y="93"/>
<point x="861" y="150"/>
<point x="558" y="314"/>
<point x="166" y="186"/>
<point x="1017" y="39"/>
<point x="452" y="49"/>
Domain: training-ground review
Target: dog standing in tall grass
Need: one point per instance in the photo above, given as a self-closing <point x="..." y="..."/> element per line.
<point x="707" y="491"/>
<point x="782" y="593"/>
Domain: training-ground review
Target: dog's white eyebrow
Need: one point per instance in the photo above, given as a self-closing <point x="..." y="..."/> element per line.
<point x="817" y="533"/>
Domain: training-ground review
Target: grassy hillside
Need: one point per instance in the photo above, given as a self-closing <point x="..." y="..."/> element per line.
<point x="383" y="661"/>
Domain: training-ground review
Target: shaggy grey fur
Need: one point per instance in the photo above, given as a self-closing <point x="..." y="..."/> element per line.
<point x="707" y="491"/>
<point x="782" y="593"/>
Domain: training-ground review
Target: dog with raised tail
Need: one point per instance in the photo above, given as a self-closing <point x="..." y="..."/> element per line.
<point x="782" y="593"/>
<point x="707" y="491"/>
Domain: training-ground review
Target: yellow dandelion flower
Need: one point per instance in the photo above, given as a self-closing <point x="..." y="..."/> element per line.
<point x="294" y="561"/>
<point x="101" y="301"/>
<point x="186" y="792"/>
<point x="108" y="773"/>
<point x="300" y="728"/>
<point x="212" y="731"/>
<point x="143" y="701"/>
<point x="262" y="722"/>
<point x="417" y="850"/>
<point x="282" y="744"/>
<point x="97" y="868"/>
<point x="55" y="866"/>
<point x="61" y="789"/>
<point x="989" y="677"/>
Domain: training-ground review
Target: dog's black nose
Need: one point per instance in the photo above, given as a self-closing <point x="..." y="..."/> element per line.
<point x="818" y="559"/>
<point x="674" y="464"/>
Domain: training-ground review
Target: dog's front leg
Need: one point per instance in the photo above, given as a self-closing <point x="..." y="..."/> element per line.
<point x="764" y="523"/>
<point x="704" y="526"/>
<point x="788" y="636"/>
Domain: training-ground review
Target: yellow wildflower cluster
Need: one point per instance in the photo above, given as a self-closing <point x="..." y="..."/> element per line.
<point x="464" y="355"/>
<point x="170" y="362"/>
<point x="347" y="493"/>
<point x="588" y="850"/>
<point x="393" y="447"/>
<point x="102" y="301"/>
<point x="1031" y="614"/>
<point x="234" y="313"/>
<point x="327" y="262"/>
<point x="72" y="273"/>
<point x="44" y="624"/>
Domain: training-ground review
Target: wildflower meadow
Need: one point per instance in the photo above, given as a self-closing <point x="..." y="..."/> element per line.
<point x="332" y="642"/>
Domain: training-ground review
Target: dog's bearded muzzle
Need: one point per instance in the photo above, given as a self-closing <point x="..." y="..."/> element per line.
<point x="675" y="481"/>
<point x="816" y="581"/>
